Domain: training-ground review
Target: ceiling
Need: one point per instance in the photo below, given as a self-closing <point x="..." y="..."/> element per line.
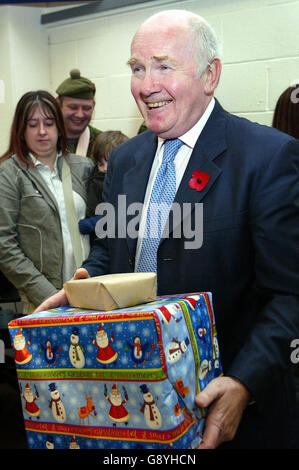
<point x="44" y="4"/>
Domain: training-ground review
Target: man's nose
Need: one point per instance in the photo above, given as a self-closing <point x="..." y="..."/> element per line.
<point x="79" y="113"/>
<point x="150" y="84"/>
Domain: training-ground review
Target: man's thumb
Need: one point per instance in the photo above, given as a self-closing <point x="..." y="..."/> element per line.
<point x="207" y="396"/>
<point x="81" y="273"/>
<point x="202" y="400"/>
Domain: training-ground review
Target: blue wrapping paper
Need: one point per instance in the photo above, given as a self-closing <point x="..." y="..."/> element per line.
<point x="124" y="379"/>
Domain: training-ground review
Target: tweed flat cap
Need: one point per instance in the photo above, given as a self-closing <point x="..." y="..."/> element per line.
<point x="77" y="86"/>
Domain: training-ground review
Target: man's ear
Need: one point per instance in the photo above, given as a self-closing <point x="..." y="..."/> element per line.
<point x="212" y="76"/>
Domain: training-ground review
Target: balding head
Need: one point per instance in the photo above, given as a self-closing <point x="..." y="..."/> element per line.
<point x="174" y="71"/>
<point x="204" y="42"/>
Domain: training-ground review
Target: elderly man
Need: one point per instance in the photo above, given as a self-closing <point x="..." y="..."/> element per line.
<point x="246" y="176"/>
<point x="76" y="98"/>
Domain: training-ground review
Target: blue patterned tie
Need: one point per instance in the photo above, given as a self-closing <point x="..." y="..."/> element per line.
<point x="161" y="200"/>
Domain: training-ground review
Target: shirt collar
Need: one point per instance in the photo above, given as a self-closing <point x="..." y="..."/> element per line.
<point x="37" y="162"/>
<point x="191" y="136"/>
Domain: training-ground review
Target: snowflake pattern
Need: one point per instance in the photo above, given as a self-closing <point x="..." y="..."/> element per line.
<point x="171" y="395"/>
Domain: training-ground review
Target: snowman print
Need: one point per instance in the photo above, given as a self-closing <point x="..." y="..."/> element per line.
<point x="76" y="350"/>
<point x="175" y="350"/>
<point x="150" y="409"/>
<point x="56" y="404"/>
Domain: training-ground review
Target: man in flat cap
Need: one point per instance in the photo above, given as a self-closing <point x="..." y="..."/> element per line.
<point x="76" y="98"/>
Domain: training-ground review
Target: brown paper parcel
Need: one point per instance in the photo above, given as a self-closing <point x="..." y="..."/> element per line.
<point x="112" y="291"/>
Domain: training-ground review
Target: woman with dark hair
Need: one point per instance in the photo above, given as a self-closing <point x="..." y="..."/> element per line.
<point x="286" y="113"/>
<point x="42" y="198"/>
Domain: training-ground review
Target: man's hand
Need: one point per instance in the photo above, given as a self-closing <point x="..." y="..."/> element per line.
<point x="226" y="398"/>
<point x="59" y="299"/>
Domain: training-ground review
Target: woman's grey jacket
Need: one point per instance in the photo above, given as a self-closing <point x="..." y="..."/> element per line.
<point x="31" y="246"/>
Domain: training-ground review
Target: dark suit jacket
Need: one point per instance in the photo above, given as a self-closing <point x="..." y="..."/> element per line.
<point x="249" y="258"/>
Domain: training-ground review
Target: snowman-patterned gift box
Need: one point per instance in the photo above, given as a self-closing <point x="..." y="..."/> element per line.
<point x="120" y="379"/>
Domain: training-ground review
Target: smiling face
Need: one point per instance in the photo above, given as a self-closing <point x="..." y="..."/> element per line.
<point x="77" y="114"/>
<point x="164" y="78"/>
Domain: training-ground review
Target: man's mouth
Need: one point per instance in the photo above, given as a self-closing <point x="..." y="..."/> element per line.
<point x="78" y="121"/>
<point x="159" y="104"/>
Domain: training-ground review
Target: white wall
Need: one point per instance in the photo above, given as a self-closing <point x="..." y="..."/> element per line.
<point x="260" y="55"/>
<point x="5" y="79"/>
<point x="100" y="48"/>
<point x="24" y="60"/>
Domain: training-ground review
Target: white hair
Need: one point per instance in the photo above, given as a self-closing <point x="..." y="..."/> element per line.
<point x="205" y="43"/>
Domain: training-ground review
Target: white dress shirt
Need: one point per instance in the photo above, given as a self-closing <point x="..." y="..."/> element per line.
<point x="180" y="162"/>
<point x="54" y="183"/>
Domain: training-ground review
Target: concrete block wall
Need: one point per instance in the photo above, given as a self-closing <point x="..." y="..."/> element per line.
<point x="5" y="80"/>
<point x="24" y="61"/>
<point x="100" y="48"/>
<point x="260" y="56"/>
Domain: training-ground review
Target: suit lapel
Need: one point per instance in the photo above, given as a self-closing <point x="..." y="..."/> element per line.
<point x="210" y="144"/>
<point x="135" y="180"/>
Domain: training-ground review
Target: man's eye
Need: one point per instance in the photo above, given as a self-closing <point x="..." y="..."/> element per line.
<point x="136" y="68"/>
<point x="164" y="67"/>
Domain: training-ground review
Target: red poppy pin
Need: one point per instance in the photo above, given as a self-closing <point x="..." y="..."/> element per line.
<point x="199" y="180"/>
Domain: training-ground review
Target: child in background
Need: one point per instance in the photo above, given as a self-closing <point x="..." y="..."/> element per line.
<point x="103" y="145"/>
